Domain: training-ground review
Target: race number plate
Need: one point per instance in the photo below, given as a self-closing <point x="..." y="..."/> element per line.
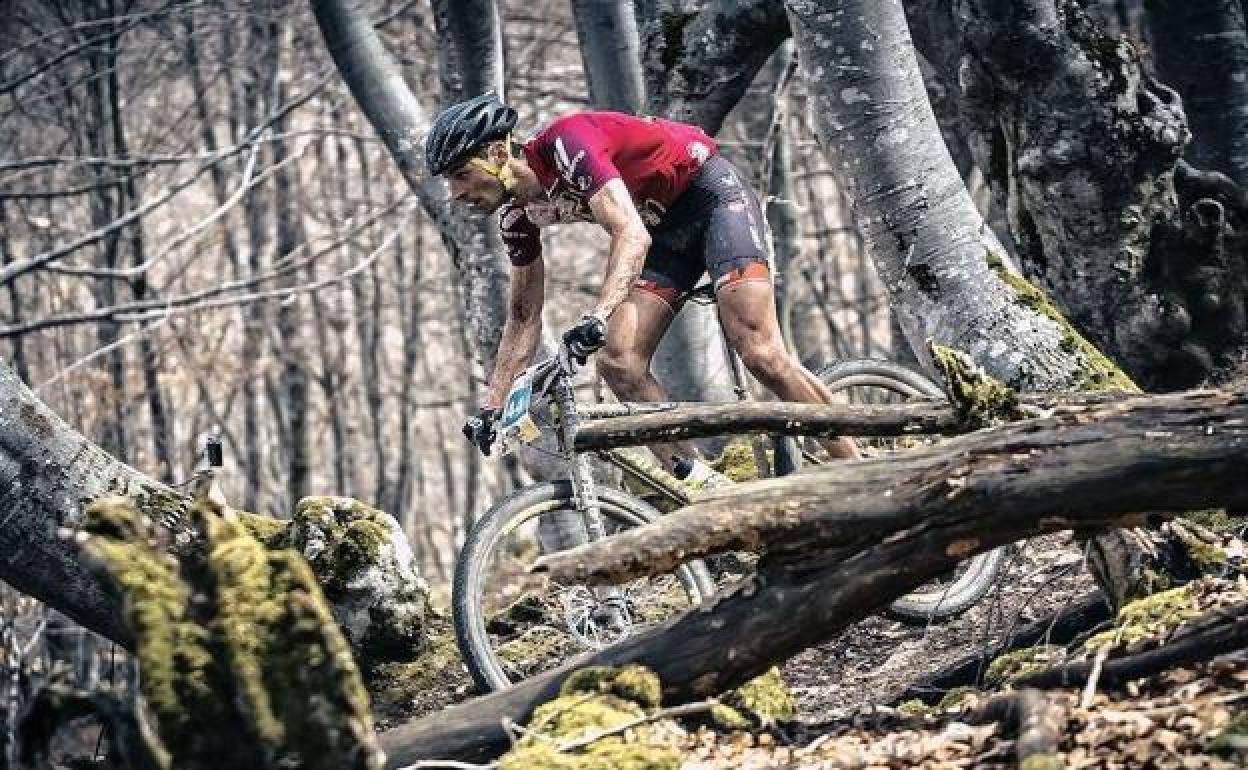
<point x="517" y="427"/>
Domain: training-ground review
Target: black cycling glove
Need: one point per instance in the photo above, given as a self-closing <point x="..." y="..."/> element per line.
<point x="480" y="430"/>
<point x="586" y="337"/>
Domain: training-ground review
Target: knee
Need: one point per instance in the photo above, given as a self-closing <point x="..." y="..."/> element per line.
<point x="769" y="363"/>
<point x="621" y="368"/>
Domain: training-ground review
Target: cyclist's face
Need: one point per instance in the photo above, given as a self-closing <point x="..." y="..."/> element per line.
<point x="476" y="187"/>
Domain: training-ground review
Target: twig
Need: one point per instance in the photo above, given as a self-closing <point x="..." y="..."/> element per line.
<point x="1089" y="691"/>
<point x="447" y="764"/>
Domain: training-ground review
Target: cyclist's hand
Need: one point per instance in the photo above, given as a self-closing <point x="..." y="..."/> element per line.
<point x="480" y="430"/>
<point x="586" y="337"/>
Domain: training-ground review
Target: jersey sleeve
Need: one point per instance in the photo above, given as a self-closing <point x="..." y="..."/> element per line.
<point x="581" y="156"/>
<point x="521" y="237"/>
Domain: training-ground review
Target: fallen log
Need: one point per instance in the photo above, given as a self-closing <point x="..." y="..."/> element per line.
<point x="1146" y="453"/>
<point x="1058" y="628"/>
<point x="1216" y="633"/>
<point x="721" y="645"/>
<point x="699" y="420"/>
<point x="1192" y="446"/>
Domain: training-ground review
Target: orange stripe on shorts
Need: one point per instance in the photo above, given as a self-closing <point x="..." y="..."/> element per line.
<point x="751" y="271"/>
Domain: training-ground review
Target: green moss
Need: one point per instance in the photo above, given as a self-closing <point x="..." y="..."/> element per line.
<point x="268" y="530"/>
<point x="592" y="701"/>
<point x="1217" y="520"/>
<point x="1019" y="663"/>
<point x="764" y="700"/>
<point x="914" y="708"/>
<point x="429" y="681"/>
<point x="353" y="533"/>
<point x="1042" y="762"/>
<point x="240" y="660"/>
<point x="979" y="398"/>
<point x="953" y="699"/>
<point x="635" y="683"/>
<point x="1096" y="371"/>
<point x="1233" y="737"/>
<point x="1148" y="617"/>
<point x="737" y="462"/>
<point x="535" y="645"/>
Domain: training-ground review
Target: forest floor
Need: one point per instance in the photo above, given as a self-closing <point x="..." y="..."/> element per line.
<point x="846" y="692"/>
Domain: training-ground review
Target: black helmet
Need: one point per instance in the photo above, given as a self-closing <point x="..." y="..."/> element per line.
<point x="464" y="127"/>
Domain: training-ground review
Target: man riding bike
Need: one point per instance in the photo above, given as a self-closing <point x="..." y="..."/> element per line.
<point x="675" y="210"/>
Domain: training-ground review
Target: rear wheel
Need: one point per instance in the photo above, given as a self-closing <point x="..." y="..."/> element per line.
<point x="872" y="381"/>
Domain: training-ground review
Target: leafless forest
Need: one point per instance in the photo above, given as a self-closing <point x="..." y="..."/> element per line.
<point x="204" y="228"/>
<point x="200" y="229"/>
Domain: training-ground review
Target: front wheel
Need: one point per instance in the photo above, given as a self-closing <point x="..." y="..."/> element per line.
<point x="872" y="381"/>
<point x="511" y="624"/>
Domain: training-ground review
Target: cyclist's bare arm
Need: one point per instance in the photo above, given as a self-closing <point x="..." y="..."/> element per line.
<point x="613" y="209"/>
<point x="522" y="331"/>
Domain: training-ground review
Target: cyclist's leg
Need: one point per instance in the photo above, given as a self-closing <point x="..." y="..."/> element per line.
<point x="633" y="334"/>
<point x="737" y="260"/>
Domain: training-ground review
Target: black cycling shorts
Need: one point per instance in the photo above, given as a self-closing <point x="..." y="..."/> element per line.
<point x="715" y="226"/>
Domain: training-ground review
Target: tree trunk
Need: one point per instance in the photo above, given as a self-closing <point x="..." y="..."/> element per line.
<point x="940" y="264"/>
<point x="1200" y="48"/>
<point x="783" y="220"/>
<point x="250" y="103"/>
<point x="1080" y="147"/>
<point x="700" y="56"/>
<point x="46" y="469"/>
<point x="15" y="298"/>
<point x="611" y="53"/>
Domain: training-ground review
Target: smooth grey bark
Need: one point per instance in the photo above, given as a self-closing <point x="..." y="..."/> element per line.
<point x="1200" y="48"/>
<point x="700" y="56"/>
<point x="401" y="122"/>
<point x="15" y="298"/>
<point x="470" y="57"/>
<point x="928" y="241"/>
<point x="46" y="469"/>
<point x="784" y="222"/>
<point x="611" y="53"/>
<point x="148" y="355"/>
<point x="407" y="284"/>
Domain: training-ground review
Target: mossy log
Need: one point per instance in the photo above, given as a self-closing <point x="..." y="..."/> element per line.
<point x="917" y="417"/>
<point x="242" y="663"/>
<point x="1219" y="632"/>
<point x="1085" y="468"/>
<point x="973" y="493"/>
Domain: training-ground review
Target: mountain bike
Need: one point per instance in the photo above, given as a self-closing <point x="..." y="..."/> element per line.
<point x="511" y="624"/>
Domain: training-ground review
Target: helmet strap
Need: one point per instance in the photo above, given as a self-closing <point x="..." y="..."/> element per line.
<point x="502" y="173"/>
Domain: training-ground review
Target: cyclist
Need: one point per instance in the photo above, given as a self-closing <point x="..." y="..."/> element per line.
<point x="675" y="210"/>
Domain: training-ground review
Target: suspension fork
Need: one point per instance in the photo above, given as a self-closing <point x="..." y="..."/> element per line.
<point x="584" y="491"/>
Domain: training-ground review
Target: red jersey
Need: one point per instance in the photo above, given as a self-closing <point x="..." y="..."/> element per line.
<point x="575" y="156"/>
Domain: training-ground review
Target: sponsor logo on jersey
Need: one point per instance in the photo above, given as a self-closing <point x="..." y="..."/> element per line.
<point x="698" y="151"/>
<point x="566" y="166"/>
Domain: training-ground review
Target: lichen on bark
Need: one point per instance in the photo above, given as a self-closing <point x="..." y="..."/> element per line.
<point x="1095" y="370"/>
